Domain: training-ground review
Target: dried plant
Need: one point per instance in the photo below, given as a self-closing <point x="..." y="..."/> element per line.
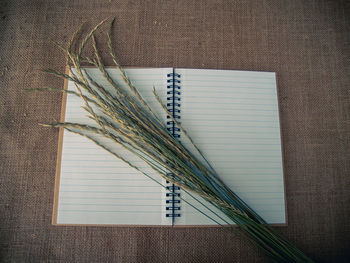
<point x="123" y="117"/>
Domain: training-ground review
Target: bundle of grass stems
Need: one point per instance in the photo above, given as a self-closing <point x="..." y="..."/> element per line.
<point x="123" y="117"/>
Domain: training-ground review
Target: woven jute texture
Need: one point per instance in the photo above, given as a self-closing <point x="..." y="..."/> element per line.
<point x="306" y="42"/>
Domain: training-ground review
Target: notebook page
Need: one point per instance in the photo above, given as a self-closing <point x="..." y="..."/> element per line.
<point x="232" y="116"/>
<point x="96" y="187"/>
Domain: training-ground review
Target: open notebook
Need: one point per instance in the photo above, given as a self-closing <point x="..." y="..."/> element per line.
<point x="233" y="118"/>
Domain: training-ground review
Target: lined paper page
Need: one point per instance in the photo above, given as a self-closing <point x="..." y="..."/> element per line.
<point x="233" y="118"/>
<point x="96" y="187"/>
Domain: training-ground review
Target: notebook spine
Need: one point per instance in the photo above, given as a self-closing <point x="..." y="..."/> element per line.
<point x="174" y="107"/>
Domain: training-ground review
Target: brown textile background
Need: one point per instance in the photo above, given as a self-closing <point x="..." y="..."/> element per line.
<point x="306" y="42"/>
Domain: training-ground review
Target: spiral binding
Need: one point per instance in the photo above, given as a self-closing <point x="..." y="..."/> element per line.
<point x="173" y="105"/>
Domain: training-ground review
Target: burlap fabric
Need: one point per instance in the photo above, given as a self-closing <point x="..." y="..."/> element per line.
<point x="306" y="42"/>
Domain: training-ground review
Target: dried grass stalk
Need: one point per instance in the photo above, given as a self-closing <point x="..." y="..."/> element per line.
<point x="126" y="119"/>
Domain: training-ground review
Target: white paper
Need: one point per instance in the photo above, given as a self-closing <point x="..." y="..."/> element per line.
<point x="232" y="116"/>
